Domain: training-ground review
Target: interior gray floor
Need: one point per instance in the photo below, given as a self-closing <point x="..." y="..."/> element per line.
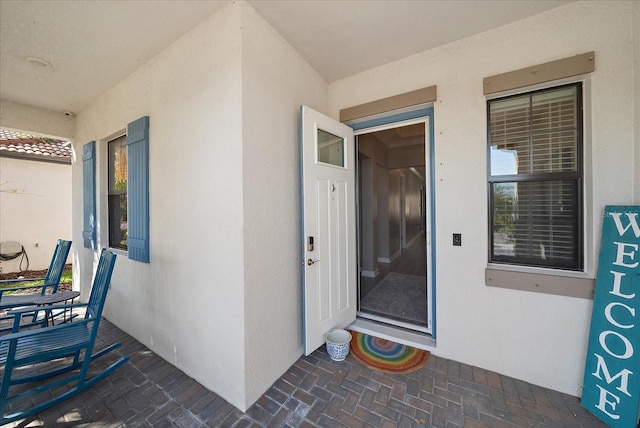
<point x="400" y="296"/>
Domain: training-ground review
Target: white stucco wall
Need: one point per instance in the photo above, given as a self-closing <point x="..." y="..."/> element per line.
<point x="35" y="209"/>
<point x="187" y="304"/>
<point x="531" y="336"/>
<point x="275" y="82"/>
<point x="224" y="275"/>
<point x="28" y="188"/>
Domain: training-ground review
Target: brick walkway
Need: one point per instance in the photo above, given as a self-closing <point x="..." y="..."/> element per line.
<point x="316" y="391"/>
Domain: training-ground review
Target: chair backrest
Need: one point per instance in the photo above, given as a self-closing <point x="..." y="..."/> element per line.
<point x="100" y="284"/>
<point x="58" y="261"/>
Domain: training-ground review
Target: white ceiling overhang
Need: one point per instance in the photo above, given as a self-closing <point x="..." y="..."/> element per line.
<point x="63" y="54"/>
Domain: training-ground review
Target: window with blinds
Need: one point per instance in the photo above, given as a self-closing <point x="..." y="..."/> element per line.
<point x="535" y="178"/>
<point x="117" y="171"/>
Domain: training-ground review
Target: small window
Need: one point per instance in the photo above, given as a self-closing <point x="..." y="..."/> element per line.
<point x="118" y="193"/>
<point x="535" y="178"/>
<point x="330" y="148"/>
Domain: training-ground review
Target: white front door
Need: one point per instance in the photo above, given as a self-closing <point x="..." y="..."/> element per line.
<point x="329" y="234"/>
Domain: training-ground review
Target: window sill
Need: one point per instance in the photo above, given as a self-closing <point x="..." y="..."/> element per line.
<point x="561" y="283"/>
<point x="119" y="251"/>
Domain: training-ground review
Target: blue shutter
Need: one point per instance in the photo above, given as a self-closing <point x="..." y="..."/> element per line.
<point x="138" y="189"/>
<point x="89" y="194"/>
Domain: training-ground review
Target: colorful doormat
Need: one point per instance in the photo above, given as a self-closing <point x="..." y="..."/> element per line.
<point x="386" y="356"/>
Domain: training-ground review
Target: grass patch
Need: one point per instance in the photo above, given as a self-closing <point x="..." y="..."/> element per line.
<point x="64" y="279"/>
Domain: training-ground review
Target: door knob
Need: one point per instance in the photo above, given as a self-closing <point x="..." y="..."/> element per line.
<point x="310" y="262"/>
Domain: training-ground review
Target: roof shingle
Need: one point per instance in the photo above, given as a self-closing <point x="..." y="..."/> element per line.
<point x="14" y="144"/>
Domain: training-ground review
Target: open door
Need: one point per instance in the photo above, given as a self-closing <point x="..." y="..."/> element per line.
<point x="395" y="223"/>
<point x="329" y="228"/>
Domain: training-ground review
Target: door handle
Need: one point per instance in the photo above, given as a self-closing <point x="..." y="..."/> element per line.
<point x="311" y="262"/>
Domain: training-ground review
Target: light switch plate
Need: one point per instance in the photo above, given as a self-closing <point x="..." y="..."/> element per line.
<point x="457" y="239"/>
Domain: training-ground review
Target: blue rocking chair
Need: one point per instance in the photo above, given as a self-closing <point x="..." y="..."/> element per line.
<point x="52" y="280"/>
<point x="71" y="344"/>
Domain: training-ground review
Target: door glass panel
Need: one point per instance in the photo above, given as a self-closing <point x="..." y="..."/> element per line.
<point x="330" y="148"/>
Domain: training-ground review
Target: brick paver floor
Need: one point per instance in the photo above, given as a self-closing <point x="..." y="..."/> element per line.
<point x="314" y="392"/>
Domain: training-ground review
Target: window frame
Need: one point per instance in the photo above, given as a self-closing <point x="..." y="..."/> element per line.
<point x="137" y="134"/>
<point x="573" y="177"/>
<point x="569" y="283"/>
<point x="123" y="143"/>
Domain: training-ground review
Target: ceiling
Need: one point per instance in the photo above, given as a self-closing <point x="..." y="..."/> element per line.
<point x="63" y="54"/>
<point x="401" y="137"/>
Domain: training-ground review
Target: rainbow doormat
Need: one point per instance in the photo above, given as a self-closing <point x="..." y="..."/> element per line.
<point x="386" y="356"/>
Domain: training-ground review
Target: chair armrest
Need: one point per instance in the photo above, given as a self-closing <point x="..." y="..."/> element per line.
<point x="33" y="309"/>
<point x="44" y="330"/>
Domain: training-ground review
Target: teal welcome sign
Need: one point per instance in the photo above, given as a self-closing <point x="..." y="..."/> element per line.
<point x="611" y="388"/>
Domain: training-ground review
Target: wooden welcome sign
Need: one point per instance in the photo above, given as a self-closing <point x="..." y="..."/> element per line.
<point x="611" y="389"/>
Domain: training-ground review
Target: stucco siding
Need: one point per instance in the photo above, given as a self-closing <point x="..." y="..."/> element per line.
<point x="275" y="82"/>
<point x="536" y="337"/>
<point x="35" y="209"/>
<point x="187" y="303"/>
